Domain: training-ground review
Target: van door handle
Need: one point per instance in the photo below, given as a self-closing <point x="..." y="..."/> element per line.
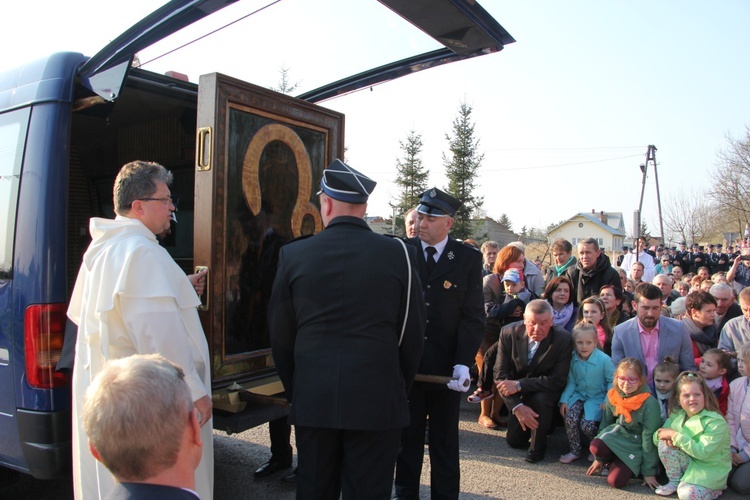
<point x="204" y="297"/>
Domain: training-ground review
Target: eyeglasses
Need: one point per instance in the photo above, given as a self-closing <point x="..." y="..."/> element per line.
<point x="174" y="200"/>
<point x="629" y="380"/>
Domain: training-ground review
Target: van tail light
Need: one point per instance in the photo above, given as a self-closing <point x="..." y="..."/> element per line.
<point x="44" y="329"/>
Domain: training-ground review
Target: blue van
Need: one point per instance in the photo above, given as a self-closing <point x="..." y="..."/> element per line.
<point x="244" y="159"/>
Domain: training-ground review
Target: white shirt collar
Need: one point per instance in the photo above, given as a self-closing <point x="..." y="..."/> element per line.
<point x="439" y="247"/>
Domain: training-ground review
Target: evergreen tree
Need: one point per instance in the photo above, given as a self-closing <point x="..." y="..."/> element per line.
<point x="505" y="221"/>
<point x="461" y="168"/>
<point x="645" y="233"/>
<point x="411" y="177"/>
<point x="285" y="86"/>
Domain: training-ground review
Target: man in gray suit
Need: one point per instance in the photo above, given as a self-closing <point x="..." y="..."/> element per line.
<point x="651" y="337"/>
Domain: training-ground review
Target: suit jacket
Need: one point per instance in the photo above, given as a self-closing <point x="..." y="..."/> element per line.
<point x="455" y="307"/>
<point x="335" y="317"/>
<point x="548" y="370"/>
<point x="674" y="340"/>
<point x="143" y="491"/>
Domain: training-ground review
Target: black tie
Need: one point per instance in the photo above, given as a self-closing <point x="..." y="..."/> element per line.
<point x="431" y="251"/>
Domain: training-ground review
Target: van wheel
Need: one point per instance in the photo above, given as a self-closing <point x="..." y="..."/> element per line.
<point x="9" y="476"/>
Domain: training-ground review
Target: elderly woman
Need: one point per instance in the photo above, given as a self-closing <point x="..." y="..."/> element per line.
<point x="699" y="322"/>
<point x="562" y="254"/>
<point x="559" y="293"/>
<point x="612" y="298"/>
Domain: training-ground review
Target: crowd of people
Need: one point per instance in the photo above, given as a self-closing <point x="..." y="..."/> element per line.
<point x="646" y="363"/>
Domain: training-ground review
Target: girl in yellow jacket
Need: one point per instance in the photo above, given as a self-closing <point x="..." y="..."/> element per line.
<point x="694" y="442"/>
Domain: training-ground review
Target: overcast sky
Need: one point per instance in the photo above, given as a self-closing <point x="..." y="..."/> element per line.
<point x="564" y="116"/>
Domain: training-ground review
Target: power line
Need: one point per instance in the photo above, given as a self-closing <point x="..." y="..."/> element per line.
<point x="561" y="164"/>
<point x="210" y="33"/>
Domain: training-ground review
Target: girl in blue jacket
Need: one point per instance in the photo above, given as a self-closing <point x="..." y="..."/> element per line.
<point x="590" y="376"/>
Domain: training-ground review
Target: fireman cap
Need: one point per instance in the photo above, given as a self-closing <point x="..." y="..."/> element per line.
<point x="341" y="182"/>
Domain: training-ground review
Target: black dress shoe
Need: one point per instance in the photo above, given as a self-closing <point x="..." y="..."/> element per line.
<point x="270" y="467"/>
<point x="290" y="478"/>
<point x="533" y="456"/>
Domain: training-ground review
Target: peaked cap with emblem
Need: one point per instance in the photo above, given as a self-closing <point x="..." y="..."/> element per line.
<point x="341" y="182"/>
<point x="438" y="203"/>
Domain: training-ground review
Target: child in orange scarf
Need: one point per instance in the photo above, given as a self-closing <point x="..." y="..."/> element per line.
<point x="630" y="418"/>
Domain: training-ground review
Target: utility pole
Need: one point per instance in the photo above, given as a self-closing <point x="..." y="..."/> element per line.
<point x="650" y="157"/>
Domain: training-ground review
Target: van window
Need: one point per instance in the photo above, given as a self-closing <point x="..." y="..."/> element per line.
<point x="13" y="127"/>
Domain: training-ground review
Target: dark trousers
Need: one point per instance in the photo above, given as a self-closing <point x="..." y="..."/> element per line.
<point x="544" y="404"/>
<point x="619" y="473"/>
<point x="442" y="406"/>
<point x="280" y="432"/>
<point x="357" y="464"/>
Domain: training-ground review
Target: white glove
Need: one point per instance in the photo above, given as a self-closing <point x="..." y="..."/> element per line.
<point x="461" y="373"/>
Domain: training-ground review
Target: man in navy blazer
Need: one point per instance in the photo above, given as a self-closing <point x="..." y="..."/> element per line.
<point x="139" y="416"/>
<point x="651" y="337"/>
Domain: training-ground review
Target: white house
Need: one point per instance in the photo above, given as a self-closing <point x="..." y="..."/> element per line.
<point x="607" y="228"/>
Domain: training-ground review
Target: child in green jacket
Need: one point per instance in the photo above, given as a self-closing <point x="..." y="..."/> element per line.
<point x="694" y="442"/>
<point x="631" y="416"/>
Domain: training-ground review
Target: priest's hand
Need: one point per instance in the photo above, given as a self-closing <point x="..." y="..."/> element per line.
<point x="205" y="409"/>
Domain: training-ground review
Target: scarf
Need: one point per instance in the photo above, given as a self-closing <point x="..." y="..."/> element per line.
<point x="561" y="318"/>
<point x="705" y="338"/>
<point x="561" y="269"/>
<point x="714" y="383"/>
<point x="613" y="319"/>
<point x="623" y="406"/>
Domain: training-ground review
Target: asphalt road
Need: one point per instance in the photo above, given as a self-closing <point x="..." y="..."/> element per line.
<point x="489" y="470"/>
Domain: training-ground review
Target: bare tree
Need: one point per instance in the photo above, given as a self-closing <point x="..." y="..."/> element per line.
<point x="687" y="217"/>
<point x="731" y="179"/>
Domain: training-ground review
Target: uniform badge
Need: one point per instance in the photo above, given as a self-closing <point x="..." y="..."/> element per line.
<point x="447" y="284"/>
<point x="433" y="193"/>
<point x="450" y="255"/>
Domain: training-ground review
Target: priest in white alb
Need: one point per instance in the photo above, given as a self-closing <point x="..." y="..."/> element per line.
<point x="130" y="297"/>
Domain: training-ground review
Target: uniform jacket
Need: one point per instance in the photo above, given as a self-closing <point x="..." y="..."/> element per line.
<point x="589" y="381"/>
<point x="335" y="316"/>
<point x="682" y="260"/>
<point x="632" y="441"/>
<point x="131" y="297"/>
<point x="548" y="370"/>
<point x="588" y="283"/>
<point x="674" y="341"/>
<point x="718" y="262"/>
<point x="455" y="307"/>
<point x="735" y="333"/>
<point x="738" y="415"/>
<point x="705" y="437"/>
<point x="697" y="260"/>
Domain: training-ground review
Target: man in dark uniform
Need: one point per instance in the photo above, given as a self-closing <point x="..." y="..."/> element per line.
<point x="697" y="258"/>
<point x="451" y="275"/>
<point x="346" y="320"/>
<point x="722" y="262"/>
<point x="681" y="257"/>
